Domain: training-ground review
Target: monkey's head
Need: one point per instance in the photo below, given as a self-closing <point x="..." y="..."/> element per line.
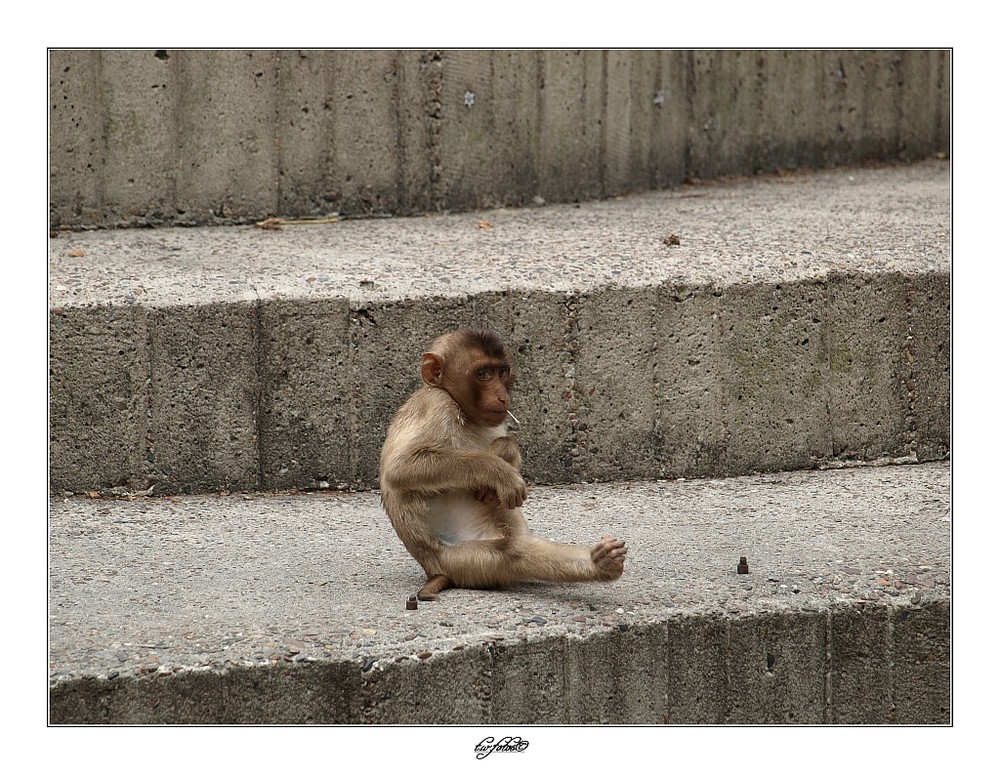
<point x="474" y="367"/>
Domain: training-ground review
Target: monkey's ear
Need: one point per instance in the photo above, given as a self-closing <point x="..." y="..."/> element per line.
<point x="432" y="369"/>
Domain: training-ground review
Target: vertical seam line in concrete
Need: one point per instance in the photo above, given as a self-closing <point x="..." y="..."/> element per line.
<point x="260" y="363"/>
<point x="653" y="157"/>
<point x="898" y="68"/>
<point x="570" y="345"/>
<point x="434" y="109"/>
<point x="567" y="688"/>
<point x="689" y="87"/>
<point x="659" y="401"/>
<point x="173" y="131"/>
<point x="907" y="375"/>
<point x="904" y="83"/>
<point x="891" y="639"/>
<point x="602" y="148"/>
<point x="719" y="293"/>
<point x="759" y="110"/>
<point x="828" y="669"/>
<point x="944" y="75"/>
<point x="828" y="380"/>
<point x="491" y="675"/>
<point x="275" y="137"/>
<point x="354" y="305"/>
<point x="727" y="708"/>
<point x="100" y="164"/>
<point x="667" y="626"/>
<point x="536" y="139"/>
<point x="400" y="149"/>
<point x="149" y="458"/>
<point x="279" y="156"/>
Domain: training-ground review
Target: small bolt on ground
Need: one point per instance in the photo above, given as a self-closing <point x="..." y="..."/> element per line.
<point x="411" y="603"/>
<point x="743" y="568"/>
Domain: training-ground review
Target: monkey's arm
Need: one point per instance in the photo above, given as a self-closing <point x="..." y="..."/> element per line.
<point x="438" y="470"/>
<point x="426" y="453"/>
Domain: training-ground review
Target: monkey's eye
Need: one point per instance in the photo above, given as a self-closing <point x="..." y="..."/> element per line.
<point x="484" y="374"/>
<point x="503" y="372"/>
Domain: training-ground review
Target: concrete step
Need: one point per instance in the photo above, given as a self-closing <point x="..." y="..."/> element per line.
<point x="290" y="608"/>
<point x="716" y="329"/>
<point x="194" y="136"/>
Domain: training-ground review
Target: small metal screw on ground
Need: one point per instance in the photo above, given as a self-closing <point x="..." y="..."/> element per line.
<point x="743" y="568"/>
<point x="411" y="603"/>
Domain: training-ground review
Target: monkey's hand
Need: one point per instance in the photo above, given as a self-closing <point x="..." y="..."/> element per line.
<point x="490" y="497"/>
<point x="507" y="490"/>
<point x="506" y="449"/>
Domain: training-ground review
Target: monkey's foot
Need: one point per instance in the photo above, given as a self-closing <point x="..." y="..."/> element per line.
<point x="429" y="591"/>
<point x="609" y="557"/>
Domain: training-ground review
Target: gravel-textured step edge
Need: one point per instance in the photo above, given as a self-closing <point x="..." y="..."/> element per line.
<point x="291" y="609"/>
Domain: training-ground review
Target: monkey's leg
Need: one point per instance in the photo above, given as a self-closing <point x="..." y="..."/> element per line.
<point x="563" y="563"/>
<point x="498" y="563"/>
<point x="435" y="584"/>
<point x="510" y="522"/>
<point x="609" y="556"/>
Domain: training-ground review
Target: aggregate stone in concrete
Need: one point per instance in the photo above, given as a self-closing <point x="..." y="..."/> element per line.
<point x="862" y="666"/>
<point x="306" y="414"/>
<point x="867" y="398"/>
<point x="927" y="393"/>
<point x="776" y="374"/>
<point x="203" y="396"/>
<point x="292" y="608"/>
<point x="99" y="372"/>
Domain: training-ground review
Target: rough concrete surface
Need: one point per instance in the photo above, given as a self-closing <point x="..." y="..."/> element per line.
<point x="195" y="137"/>
<point x="290" y="608"/>
<point x="802" y="319"/>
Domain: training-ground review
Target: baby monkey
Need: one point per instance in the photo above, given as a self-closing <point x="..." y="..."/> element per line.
<point x="451" y="483"/>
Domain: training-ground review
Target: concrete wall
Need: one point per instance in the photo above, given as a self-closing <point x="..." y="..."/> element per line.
<point x="859" y="663"/>
<point x="199" y="137"/>
<point x="279" y="393"/>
